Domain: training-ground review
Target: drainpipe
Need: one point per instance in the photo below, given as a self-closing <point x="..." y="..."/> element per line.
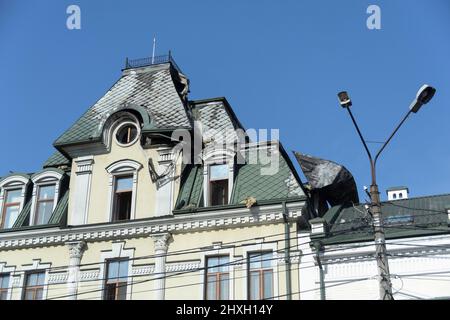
<point x="287" y="252"/>
<point x="317" y="246"/>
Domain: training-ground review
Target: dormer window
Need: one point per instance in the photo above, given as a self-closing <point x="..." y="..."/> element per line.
<point x="218" y="184"/>
<point x="44" y="204"/>
<point x="11" y="208"/>
<point x="46" y="191"/>
<point x="12" y="198"/>
<point x="127" y="133"/>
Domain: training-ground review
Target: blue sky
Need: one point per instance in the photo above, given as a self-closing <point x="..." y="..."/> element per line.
<point x="279" y="63"/>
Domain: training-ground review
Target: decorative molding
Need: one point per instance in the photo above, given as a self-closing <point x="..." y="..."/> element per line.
<point x="162" y="241"/>
<point x="143" y="270"/>
<point x="183" y="266"/>
<point x="58" y="277"/>
<point x="90" y="275"/>
<point x="232" y="218"/>
<point x="84" y="164"/>
<point x="76" y="249"/>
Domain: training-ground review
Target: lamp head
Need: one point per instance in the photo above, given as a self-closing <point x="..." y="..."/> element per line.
<point x="424" y="95"/>
<point x="344" y="99"/>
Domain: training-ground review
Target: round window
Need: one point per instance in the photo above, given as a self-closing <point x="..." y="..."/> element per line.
<point x="127" y="133"/>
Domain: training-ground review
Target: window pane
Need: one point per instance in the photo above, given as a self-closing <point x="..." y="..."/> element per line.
<point x="32" y="279"/>
<point x="41" y="278"/>
<point x="261" y="260"/>
<point x="268" y="284"/>
<point x="3" y="295"/>
<point x="4" y="281"/>
<point x="29" y="295"/>
<point x="254" y="285"/>
<point x="113" y="270"/>
<point x="122" y="206"/>
<point x="212" y="263"/>
<point x="219" y="192"/>
<point x="224" y="287"/>
<point x="122" y="291"/>
<point x="110" y="291"/>
<point x="211" y="288"/>
<point x="123" y="270"/>
<point x="224" y="263"/>
<point x="13" y="196"/>
<point x="266" y="261"/>
<point x="124" y="184"/>
<point x="39" y="294"/>
<point x="255" y="260"/>
<point x="44" y="212"/>
<point x="11" y="214"/>
<point x="46" y="192"/>
<point x="218" y="172"/>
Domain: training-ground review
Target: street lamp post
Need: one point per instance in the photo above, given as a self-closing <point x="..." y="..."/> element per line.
<point x="424" y="95"/>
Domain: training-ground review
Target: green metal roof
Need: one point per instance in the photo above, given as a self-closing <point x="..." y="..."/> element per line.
<point x="402" y="218"/>
<point x="152" y="88"/>
<point x="57" y="159"/>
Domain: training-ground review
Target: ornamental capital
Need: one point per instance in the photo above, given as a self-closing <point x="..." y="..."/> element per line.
<point x="76" y="248"/>
<point x="162" y="241"/>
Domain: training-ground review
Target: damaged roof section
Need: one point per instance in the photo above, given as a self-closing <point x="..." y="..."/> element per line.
<point x="329" y="181"/>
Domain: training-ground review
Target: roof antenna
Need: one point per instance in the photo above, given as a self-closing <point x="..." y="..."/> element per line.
<point x="154" y="47"/>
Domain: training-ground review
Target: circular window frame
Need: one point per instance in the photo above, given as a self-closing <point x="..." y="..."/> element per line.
<point x="120" y="126"/>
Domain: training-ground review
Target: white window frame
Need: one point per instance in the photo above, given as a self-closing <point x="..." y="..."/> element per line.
<point x="274" y="264"/>
<point x="44" y="178"/>
<point x="117" y="251"/>
<point x="217" y="157"/>
<point x="213" y="253"/>
<point x="118" y="169"/>
<point x="13" y="183"/>
<point x="4" y="269"/>
<point x="36" y="266"/>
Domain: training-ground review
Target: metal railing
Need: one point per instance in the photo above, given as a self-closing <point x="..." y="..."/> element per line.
<point x="149" y="61"/>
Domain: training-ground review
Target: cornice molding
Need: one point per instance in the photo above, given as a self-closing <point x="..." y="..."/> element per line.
<point x="237" y="217"/>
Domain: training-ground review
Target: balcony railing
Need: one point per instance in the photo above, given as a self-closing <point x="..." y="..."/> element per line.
<point x="144" y="62"/>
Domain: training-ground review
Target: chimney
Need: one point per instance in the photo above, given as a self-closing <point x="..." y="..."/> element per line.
<point x="397" y="193"/>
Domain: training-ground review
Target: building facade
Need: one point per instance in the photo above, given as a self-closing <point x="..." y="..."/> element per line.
<point x="131" y="207"/>
<point x="338" y="256"/>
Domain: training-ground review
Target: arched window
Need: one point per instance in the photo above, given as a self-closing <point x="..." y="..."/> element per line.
<point x="46" y="185"/>
<point x="12" y="198"/>
<point x="123" y="177"/>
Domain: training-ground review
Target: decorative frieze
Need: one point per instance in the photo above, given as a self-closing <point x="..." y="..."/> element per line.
<point x="58" y="278"/>
<point x="132" y="229"/>
<point x="184" y="266"/>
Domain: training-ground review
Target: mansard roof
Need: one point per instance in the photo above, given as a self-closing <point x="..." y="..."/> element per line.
<point x="420" y="216"/>
<point x="155" y="88"/>
<point x="217" y="116"/>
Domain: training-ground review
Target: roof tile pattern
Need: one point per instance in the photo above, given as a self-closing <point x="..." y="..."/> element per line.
<point x="152" y="88"/>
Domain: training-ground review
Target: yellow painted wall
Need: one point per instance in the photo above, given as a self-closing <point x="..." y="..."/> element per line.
<point x="184" y="248"/>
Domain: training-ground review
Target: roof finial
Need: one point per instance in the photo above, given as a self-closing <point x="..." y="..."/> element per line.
<point x="154" y="47"/>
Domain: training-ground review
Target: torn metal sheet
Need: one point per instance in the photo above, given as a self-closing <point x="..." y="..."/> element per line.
<point x="331" y="180"/>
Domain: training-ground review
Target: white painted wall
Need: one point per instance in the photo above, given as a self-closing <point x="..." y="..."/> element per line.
<point x="419" y="267"/>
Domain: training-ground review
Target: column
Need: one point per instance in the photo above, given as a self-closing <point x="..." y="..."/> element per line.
<point x="165" y="185"/>
<point x="162" y="242"/>
<point x="76" y="250"/>
<point x="80" y="196"/>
